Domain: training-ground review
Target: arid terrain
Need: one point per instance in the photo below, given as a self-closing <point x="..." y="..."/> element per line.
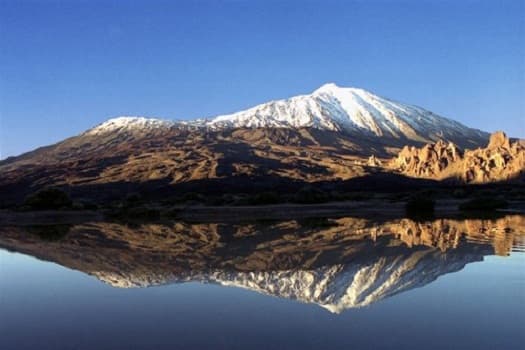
<point x="335" y="139"/>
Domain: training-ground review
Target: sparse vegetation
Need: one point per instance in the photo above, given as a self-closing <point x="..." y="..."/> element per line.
<point x="310" y="195"/>
<point x="134" y="213"/>
<point x="459" y="193"/>
<point x="265" y="198"/>
<point x="48" y="199"/>
<point x="317" y="223"/>
<point x="356" y="196"/>
<point x="483" y="203"/>
<point x="49" y="232"/>
<point x="420" y="206"/>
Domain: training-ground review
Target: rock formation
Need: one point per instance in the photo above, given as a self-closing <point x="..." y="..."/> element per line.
<point x="373" y="161"/>
<point x="428" y="161"/>
<point x="501" y="160"/>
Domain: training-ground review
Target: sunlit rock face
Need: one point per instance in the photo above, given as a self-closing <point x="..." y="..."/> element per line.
<point x="428" y="161"/>
<point x="501" y="160"/>
<point x="343" y="263"/>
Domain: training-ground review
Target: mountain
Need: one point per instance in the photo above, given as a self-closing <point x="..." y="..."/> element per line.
<point x="350" y="263"/>
<point x="331" y="108"/>
<point x="351" y="110"/>
<point x="351" y="285"/>
<point x="282" y="144"/>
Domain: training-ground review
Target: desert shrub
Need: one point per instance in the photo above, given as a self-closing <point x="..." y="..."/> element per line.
<point x="317" y="222"/>
<point x="171" y="212"/>
<point x="143" y="213"/>
<point x="228" y="198"/>
<point x="48" y="199"/>
<point x="396" y="196"/>
<point x="420" y="206"/>
<point x="210" y="200"/>
<point x="192" y="197"/>
<point x="358" y="196"/>
<point x="133" y="213"/>
<point x="459" y="193"/>
<point x="264" y="198"/>
<point x="84" y="205"/>
<point x="49" y="232"/>
<point x="517" y="193"/>
<point x="483" y="203"/>
<point x="310" y="194"/>
<point x="132" y="199"/>
<point x="89" y="205"/>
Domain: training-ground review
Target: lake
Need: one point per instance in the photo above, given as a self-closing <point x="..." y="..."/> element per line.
<point x="449" y="283"/>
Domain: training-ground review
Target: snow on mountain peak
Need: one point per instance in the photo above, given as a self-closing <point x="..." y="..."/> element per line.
<point x="330" y="107"/>
<point x="327" y="88"/>
<point x="335" y="108"/>
<point x="334" y="287"/>
<point x="129" y="123"/>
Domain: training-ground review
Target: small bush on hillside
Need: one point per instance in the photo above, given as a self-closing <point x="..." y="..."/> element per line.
<point x="309" y="195"/>
<point x="143" y="213"/>
<point x="265" y="198"/>
<point x="317" y="222"/>
<point x="49" y="232"/>
<point x="397" y="197"/>
<point x="84" y="205"/>
<point x="171" y="212"/>
<point x="48" y="199"/>
<point x="419" y="206"/>
<point x="459" y="193"/>
<point x="133" y="213"/>
<point x="89" y="205"/>
<point x="210" y="200"/>
<point x="132" y="199"/>
<point x="358" y="196"/>
<point x="192" y="197"/>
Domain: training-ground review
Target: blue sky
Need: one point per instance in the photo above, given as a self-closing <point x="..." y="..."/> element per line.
<point x="66" y="66"/>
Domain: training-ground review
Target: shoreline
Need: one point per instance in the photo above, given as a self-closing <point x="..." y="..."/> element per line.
<point x="373" y="209"/>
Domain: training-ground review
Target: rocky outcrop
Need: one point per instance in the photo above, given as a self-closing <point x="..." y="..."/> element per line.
<point x="428" y="161"/>
<point x="373" y="161"/>
<point x="501" y="160"/>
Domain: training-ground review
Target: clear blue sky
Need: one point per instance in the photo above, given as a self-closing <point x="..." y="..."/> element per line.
<point x="66" y="66"/>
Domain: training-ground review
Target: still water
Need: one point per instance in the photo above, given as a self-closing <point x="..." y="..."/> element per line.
<point x="312" y="284"/>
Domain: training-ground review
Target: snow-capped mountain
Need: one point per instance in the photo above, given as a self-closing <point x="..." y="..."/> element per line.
<point x="347" y="109"/>
<point x="129" y="123"/>
<point x="330" y="108"/>
<point x="335" y="288"/>
<point x="327" y="135"/>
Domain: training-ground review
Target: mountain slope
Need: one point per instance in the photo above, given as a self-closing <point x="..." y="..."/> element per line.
<point x="323" y="136"/>
<point x="349" y="110"/>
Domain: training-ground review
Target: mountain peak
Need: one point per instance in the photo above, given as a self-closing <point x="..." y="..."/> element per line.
<point x="334" y="89"/>
<point x="327" y="87"/>
<point x="129" y="122"/>
<point x="331" y="108"/>
<point x="349" y="110"/>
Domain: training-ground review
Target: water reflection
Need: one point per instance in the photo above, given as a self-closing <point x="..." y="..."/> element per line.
<point x="336" y="263"/>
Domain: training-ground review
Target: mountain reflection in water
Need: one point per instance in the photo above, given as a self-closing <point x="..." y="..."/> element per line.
<point x="336" y="263"/>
